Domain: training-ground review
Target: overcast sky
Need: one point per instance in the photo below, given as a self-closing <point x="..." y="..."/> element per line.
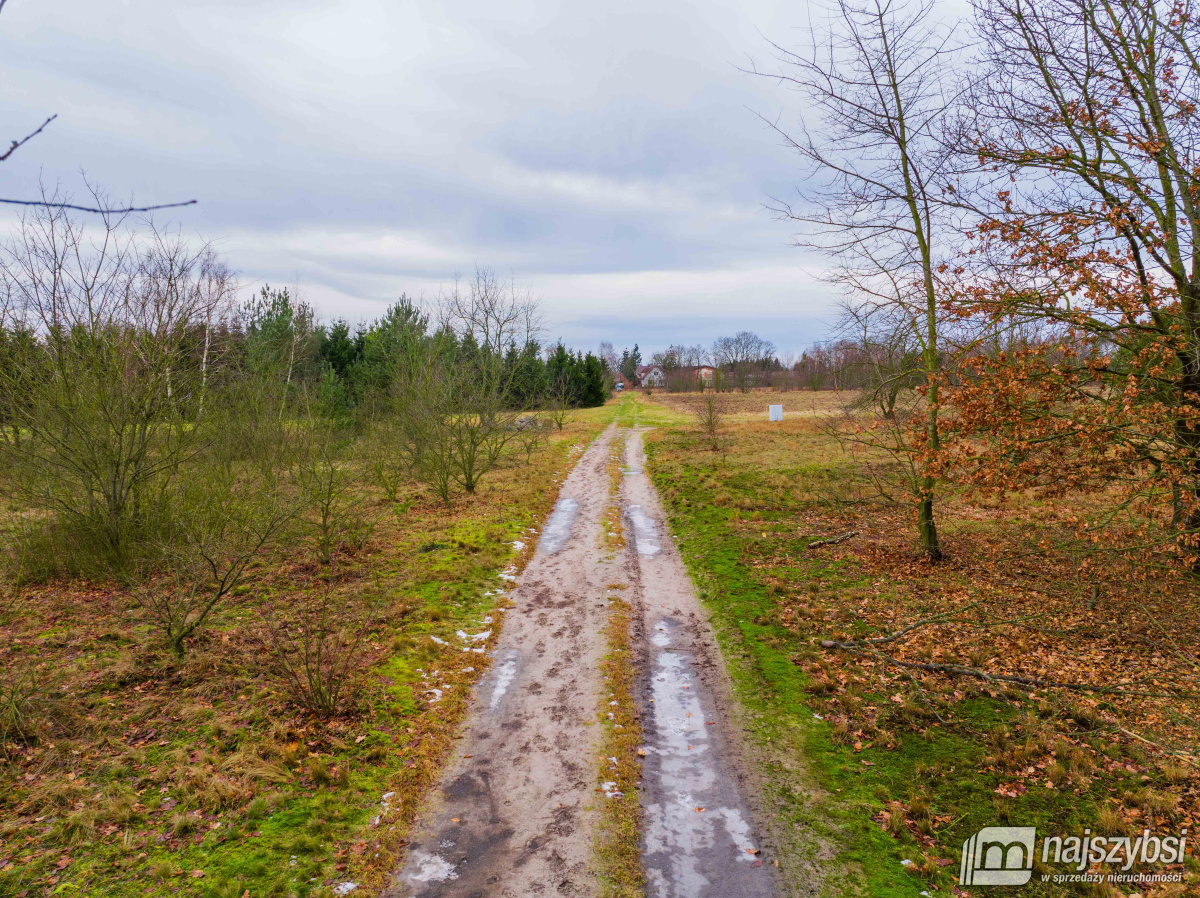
<point x="606" y="155"/>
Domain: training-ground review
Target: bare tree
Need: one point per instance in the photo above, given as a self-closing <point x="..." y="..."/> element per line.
<point x="787" y="361"/>
<point x="608" y="355"/>
<point x="741" y="355"/>
<point x="558" y="400"/>
<point x="709" y="411"/>
<point x="880" y="84"/>
<point x="493" y="311"/>
<point x="105" y="386"/>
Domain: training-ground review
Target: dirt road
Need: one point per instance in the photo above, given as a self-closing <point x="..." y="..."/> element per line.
<point x="514" y="814"/>
<point x="699" y="840"/>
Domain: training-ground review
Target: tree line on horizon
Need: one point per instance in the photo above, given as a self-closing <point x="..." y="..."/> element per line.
<point x="148" y="417"/>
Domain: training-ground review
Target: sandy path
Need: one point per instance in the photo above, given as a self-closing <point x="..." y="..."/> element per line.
<point x="510" y="818"/>
<point x="699" y="840"/>
<point x="513" y="815"/>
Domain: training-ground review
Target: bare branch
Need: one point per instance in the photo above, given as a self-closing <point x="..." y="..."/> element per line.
<point x="43" y="204"/>
<point x="17" y="144"/>
<point x="962" y="670"/>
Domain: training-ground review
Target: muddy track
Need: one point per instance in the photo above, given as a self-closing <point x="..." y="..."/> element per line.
<point x="514" y="813"/>
<point x="699" y="839"/>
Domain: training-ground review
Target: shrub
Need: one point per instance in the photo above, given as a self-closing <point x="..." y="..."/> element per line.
<point x="99" y="380"/>
<point x="224" y="522"/>
<point x="710" y="412"/>
<point x="324" y="479"/>
<point x="314" y="647"/>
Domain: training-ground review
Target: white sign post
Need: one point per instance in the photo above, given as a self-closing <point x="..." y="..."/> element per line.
<point x="776" y="412"/>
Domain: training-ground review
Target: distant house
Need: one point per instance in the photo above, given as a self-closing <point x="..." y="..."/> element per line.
<point x="687" y="378"/>
<point x="651" y="376"/>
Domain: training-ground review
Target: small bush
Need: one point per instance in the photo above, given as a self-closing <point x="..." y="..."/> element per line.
<point x="710" y="412"/>
<point x="331" y="513"/>
<point x="314" y="647"/>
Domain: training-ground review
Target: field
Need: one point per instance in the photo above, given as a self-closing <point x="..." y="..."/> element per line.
<point x="891" y="707"/>
<point x="154" y="776"/>
<point x="880" y="758"/>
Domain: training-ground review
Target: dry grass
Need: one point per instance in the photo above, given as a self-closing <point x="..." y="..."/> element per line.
<point x="1021" y="592"/>
<point x="618" y="838"/>
<point x="748" y="408"/>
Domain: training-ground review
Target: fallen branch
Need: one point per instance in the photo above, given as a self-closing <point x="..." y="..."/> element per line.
<point x="962" y="670"/>
<point x="833" y="540"/>
<point x="1163" y="748"/>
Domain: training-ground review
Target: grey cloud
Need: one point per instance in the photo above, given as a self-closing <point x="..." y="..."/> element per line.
<point x="372" y="148"/>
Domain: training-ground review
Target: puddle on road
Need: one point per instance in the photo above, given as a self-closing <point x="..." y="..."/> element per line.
<point x="645" y="531"/>
<point x="692" y="831"/>
<point x="558" y="528"/>
<point x="504" y="677"/>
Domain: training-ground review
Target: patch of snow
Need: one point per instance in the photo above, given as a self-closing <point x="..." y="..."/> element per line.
<point x="344" y="888"/>
<point x="505" y="674"/>
<point x="429" y="868"/>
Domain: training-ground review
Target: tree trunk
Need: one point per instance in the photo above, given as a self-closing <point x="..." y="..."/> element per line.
<point x="926" y="525"/>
